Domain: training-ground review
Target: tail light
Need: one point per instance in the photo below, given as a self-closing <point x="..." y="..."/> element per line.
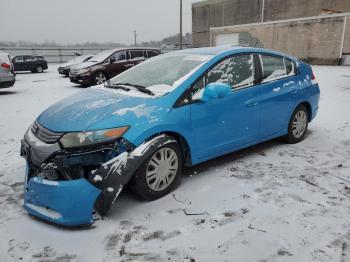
<point x="313" y="78"/>
<point x="5" y="65"/>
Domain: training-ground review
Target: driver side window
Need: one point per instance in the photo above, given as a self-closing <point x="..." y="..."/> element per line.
<point x="18" y="59"/>
<point x="119" y="56"/>
<point x="236" y="71"/>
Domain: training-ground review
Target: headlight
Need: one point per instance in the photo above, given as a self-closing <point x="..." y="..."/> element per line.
<point x="83" y="71"/>
<point x="77" y="139"/>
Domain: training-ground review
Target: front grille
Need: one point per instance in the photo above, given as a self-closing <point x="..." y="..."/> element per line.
<point x="44" y="134"/>
<point x="73" y="72"/>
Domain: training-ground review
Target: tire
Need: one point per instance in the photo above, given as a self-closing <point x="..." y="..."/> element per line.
<point x="39" y="69"/>
<point x="298" y="124"/>
<point x="99" y="78"/>
<point x="144" y="183"/>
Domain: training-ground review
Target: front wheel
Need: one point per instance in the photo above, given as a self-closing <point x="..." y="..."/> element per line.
<point x="159" y="174"/>
<point x="100" y="78"/>
<point x="298" y="124"/>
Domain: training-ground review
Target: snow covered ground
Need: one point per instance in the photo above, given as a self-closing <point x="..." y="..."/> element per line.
<point x="271" y="202"/>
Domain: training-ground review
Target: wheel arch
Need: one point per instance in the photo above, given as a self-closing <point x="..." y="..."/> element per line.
<point x="308" y="107"/>
<point x="185" y="148"/>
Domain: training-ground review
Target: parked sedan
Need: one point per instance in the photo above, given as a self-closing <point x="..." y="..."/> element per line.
<point x="174" y="110"/>
<point x="35" y="64"/>
<point x="108" y="64"/>
<point x="7" y="76"/>
<point x="64" y="69"/>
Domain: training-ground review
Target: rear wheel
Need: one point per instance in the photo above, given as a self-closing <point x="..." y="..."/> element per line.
<point x="159" y="174"/>
<point x="39" y="69"/>
<point x="298" y="124"/>
<point x="100" y="78"/>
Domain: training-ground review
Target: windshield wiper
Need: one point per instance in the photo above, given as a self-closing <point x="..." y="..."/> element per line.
<point x="108" y="84"/>
<point x="138" y="87"/>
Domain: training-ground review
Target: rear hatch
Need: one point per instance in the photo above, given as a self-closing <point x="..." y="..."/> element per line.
<point x="5" y="64"/>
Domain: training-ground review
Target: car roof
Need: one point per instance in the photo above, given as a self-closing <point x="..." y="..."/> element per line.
<point x="221" y="49"/>
<point x="133" y="48"/>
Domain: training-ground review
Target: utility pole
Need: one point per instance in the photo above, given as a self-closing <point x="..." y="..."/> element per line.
<point x="180" y="24"/>
<point x="135" y="36"/>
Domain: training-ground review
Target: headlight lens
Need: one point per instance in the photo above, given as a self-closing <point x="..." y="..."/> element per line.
<point x="77" y="139"/>
<point x="83" y="71"/>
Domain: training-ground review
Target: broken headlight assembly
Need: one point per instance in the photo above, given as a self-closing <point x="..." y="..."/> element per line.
<point x="88" y="138"/>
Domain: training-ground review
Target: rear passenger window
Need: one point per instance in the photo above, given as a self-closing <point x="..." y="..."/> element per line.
<point x="28" y="58"/>
<point x="151" y="53"/>
<point x="272" y="67"/>
<point x="237" y="71"/>
<point x="137" y="54"/>
<point x="290" y="67"/>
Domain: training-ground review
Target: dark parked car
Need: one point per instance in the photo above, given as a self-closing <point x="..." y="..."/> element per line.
<point x="36" y="64"/>
<point x="108" y="64"/>
<point x="64" y="69"/>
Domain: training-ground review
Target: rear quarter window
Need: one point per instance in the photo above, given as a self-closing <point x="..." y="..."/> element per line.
<point x="290" y="67"/>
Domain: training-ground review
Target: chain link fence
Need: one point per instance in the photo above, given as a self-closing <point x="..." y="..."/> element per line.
<point x="53" y="55"/>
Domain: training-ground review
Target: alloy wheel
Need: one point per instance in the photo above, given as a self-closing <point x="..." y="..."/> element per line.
<point x="299" y="124"/>
<point x="161" y="169"/>
<point x="100" y="78"/>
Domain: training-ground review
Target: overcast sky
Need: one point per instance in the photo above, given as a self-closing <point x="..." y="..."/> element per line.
<point x="77" y="21"/>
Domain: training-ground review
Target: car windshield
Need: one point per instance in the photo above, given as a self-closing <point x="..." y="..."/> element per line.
<point x="161" y="74"/>
<point x="100" y="57"/>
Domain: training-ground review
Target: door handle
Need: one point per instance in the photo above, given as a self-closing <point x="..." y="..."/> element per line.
<point x="251" y="103"/>
<point x="276" y="89"/>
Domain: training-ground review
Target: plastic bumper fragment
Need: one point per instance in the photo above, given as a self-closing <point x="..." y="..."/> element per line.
<point x="68" y="203"/>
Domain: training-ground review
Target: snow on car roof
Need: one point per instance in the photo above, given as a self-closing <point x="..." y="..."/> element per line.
<point x="220" y="49"/>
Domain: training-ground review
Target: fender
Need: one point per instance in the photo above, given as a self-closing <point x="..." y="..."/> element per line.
<point x="113" y="175"/>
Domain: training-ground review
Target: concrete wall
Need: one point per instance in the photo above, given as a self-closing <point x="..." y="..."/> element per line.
<point x="216" y="13"/>
<point x="287" y="9"/>
<point x="316" y="41"/>
<point x="346" y="48"/>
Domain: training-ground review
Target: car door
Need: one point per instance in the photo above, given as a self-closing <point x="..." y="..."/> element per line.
<point x="223" y="124"/>
<point x="29" y="63"/>
<point x="116" y="63"/>
<point x="18" y="63"/>
<point x="278" y="90"/>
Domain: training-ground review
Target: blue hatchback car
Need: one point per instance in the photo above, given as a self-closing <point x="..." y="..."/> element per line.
<point x="144" y="125"/>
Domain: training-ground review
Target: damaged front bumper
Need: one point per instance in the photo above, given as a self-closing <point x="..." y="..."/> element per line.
<point x="57" y="182"/>
<point x="66" y="187"/>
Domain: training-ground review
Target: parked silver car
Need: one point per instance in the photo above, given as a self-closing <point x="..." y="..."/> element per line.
<point x="7" y="76"/>
<point x="64" y="69"/>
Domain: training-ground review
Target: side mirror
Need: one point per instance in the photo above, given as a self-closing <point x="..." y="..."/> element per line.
<point x="112" y="60"/>
<point x="215" y="90"/>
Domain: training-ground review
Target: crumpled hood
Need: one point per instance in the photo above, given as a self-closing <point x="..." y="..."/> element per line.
<point x="96" y="108"/>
